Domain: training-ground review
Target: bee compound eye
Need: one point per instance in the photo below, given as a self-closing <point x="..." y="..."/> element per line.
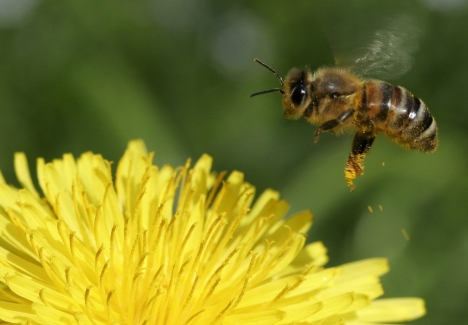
<point x="334" y="95"/>
<point x="298" y="94"/>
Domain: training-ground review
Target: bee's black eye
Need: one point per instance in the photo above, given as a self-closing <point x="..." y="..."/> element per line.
<point x="334" y="95"/>
<point x="298" y="94"/>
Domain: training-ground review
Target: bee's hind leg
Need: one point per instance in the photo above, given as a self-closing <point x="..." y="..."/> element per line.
<point x="331" y="124"/>
<point x="362" y="143"/>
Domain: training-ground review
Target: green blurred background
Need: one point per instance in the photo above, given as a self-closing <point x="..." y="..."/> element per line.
<point x="81" y="75"/>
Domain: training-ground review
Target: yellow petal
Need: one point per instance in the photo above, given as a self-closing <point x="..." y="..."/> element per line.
<point x="393" y="310"/>
<point x="262" y="317"/>
<point x="17" y="313"/>
<point x="22" y="173"/>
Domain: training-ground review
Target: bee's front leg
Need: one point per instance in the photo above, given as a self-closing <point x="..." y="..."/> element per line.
<point x="362" y="143"/>
<point x="329" y="125"/>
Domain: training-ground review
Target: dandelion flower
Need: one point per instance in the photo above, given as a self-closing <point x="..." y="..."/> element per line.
<point x="170" y="246"/>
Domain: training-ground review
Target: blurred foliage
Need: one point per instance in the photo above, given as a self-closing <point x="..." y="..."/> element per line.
<point x="81" y="75"/>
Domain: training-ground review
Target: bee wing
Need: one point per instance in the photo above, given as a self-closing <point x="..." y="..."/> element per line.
<point x="388" y="53"/>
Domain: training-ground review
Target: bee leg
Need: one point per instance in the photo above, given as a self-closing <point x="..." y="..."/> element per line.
<point x="329" y="125"/>
<point x="355" y="165"/>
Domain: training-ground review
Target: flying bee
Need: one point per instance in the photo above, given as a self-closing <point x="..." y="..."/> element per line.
<point x="338" y="100"/>
<point x="346" y="97"/>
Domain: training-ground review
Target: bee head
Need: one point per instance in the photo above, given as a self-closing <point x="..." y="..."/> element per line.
<point x="296" y="97"/>
<point x="293" y="90"/>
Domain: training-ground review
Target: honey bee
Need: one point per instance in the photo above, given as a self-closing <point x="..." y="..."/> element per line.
<point x="338" y="100"/>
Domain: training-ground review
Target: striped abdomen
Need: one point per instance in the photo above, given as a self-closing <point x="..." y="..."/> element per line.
<point x="400" y="115"/>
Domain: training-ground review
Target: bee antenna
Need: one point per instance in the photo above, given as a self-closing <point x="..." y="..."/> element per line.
<point x="272" y="70"/>
<point x="268" y="91"/>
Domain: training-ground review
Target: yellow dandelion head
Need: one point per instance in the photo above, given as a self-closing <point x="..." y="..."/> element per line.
<point x="170" y="246"/>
